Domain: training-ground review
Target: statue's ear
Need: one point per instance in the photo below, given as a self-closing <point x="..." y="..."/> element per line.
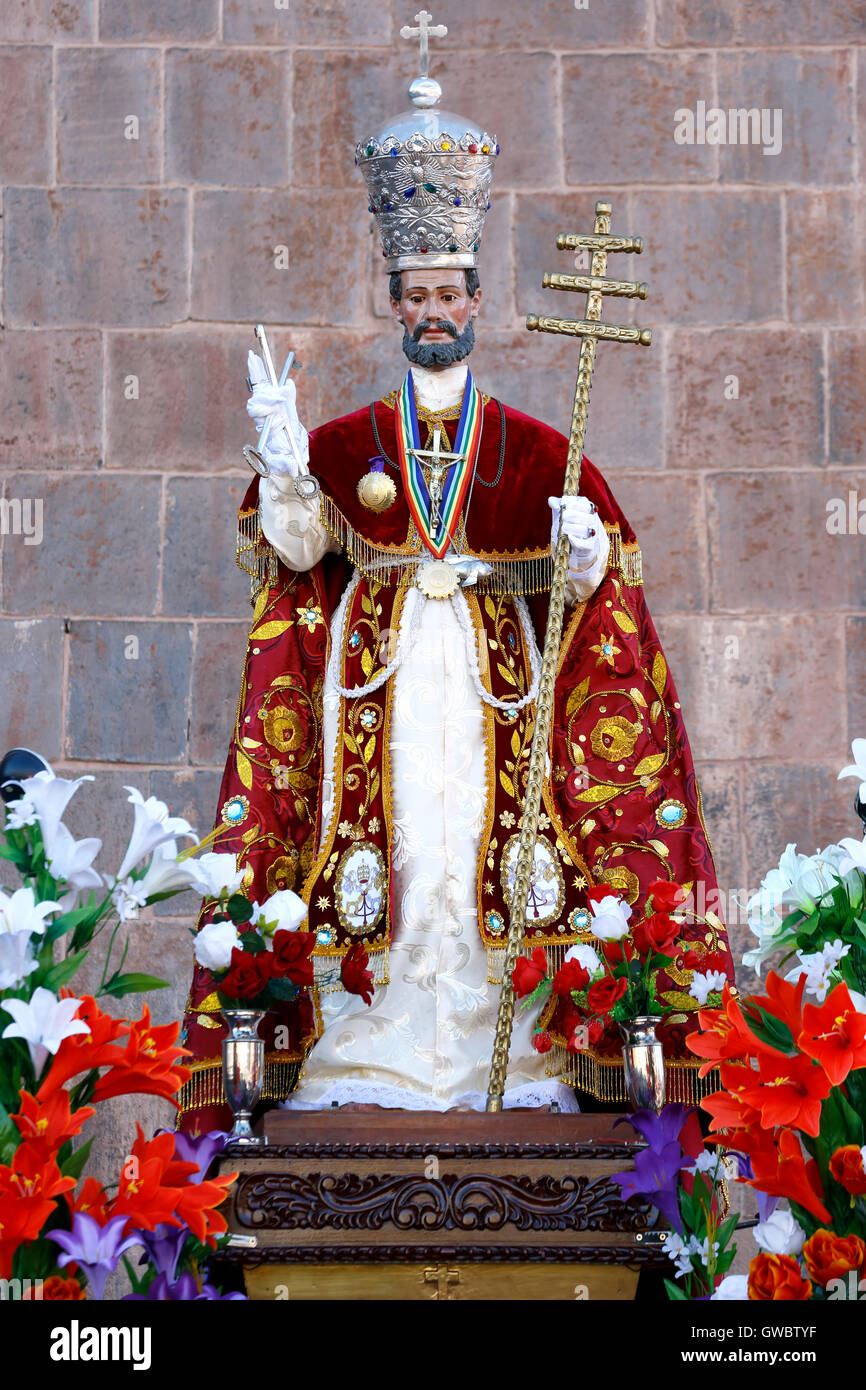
<point x="396" y="310"/>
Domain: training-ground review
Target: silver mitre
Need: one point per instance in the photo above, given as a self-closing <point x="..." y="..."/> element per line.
<point x="428" y="176"/>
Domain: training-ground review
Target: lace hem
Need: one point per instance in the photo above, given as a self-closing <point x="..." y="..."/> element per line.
<point x="357" y="1091"/>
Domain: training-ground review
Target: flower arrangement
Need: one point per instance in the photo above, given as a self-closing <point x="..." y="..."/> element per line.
<point x="617" y="981"/>
<point x="790" y="1119"/>
<point x="61" y="1055"/>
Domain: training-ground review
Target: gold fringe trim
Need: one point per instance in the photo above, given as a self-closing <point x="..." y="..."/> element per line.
<point x="556" y="951"/>
<point x="521" y="576"/>
<point x="252" y="552"/>
<point x="604" y="1078"/>
<point x="624" y="556"/>
<point x="205" y="1086"/>
<point x="326" y="968"/>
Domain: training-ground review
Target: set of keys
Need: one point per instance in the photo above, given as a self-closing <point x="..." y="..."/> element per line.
<point x="306" y="486"/>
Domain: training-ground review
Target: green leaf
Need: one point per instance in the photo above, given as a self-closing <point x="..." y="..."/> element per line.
<point x="73" y="1167"/>
<point x="10" y="1137"/>
<point x="675" y="1293"/>
<point x="135" y="983"/>
<point x="62" y="972"/>
<point x="767" y="1028"/>
<point x="239" y="908"/>
<point x="283" y="989"/>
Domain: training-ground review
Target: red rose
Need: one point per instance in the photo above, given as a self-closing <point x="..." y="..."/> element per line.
<point x="357" y="979"/>
<point x="656" y="933"/>
<point x="571" y="975"/>
<point x="594" y="1030"/>
<point x="291" y="956"/>
<point x="604" y="993"/>
<point x="599" y="891"/>
<point x="542" y="1042"/>
<point x="528" y="974"/>
<point x="615" y="952"/>
<point x="248" y="974"/>
<point x="665" y="894"/>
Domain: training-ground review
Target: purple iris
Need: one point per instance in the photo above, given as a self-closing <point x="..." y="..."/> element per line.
<point x="658" y="1129"/>
<point x="200" y="1149"/>
<point x="656" y="1176"/>
<point x="96" y="1248"/>
<point x="162" y="1247"/>
<point x="183" y="1290"/>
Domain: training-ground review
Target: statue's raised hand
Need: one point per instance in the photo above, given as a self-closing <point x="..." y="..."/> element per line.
<point x="285" y="448"/>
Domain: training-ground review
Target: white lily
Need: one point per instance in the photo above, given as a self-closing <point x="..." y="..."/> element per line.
<point x="282" y="911"/>
<point x="780" y="1234"/>
<point x="584" y="954"/>
<point x="72" y="861"/>
<point x="43" y="1021"/>
<point x="164" y="874"/>
<point x="16" y="959"/>
<point x="854" y="856"/>
<point x="214" y="945"/>
<point x="215" y="873"/>
<point x="858" y="767"/>
<point x="610" y="918"/>
<point x="152" y="826"/>
<point x="45" y="798"/>
<point x="20" y="912"/>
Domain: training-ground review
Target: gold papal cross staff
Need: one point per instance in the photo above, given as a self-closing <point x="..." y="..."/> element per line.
<point x="590" y="330"/>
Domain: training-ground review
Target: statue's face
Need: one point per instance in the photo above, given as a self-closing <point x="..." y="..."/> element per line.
<point x="435" y="296"/>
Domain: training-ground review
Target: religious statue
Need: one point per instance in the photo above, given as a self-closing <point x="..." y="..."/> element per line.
<point x="400" y="560"/>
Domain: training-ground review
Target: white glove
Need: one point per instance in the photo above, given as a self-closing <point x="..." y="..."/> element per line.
<point x="277" y="404"/>
<point x="590" y="544"/>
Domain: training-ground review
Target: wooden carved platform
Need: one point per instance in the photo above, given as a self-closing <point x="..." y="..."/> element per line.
<point x="418" y="1205"/>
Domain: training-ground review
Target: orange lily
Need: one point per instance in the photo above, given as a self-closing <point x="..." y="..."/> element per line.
<point x="47" y="1124"/>
<point x="84" y="1051"/>
<point x="28" y="1187"/>
<point x="147" y="1064"/>
<point x="785" y="1173"/>
<point x="729" y="1108"/>
<point x="725" y="1035"/>
<point x="788" y="1091"/>
<point x="834" y="1034"/>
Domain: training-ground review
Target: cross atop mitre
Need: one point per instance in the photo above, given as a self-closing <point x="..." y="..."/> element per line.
<point x="425" y="31"/>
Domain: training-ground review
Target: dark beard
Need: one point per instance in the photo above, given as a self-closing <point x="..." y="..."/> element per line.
<point x="439" y="354"/>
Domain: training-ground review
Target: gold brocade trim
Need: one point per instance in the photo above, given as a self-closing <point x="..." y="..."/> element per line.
<point x="205" y="1087"/>
<point x="432" y="417"/>
<point x="604" y="1077"/>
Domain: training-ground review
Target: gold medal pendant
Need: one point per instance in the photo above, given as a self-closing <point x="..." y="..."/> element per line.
<point x="437" y="580"/>
<point x="377" y="492"/>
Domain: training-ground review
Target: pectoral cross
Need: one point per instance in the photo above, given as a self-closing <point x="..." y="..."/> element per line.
<point x="425" y="32"/>
<point x="439" y="463"/>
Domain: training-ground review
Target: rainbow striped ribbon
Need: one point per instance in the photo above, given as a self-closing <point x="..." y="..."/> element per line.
<point x="459" y="474"/>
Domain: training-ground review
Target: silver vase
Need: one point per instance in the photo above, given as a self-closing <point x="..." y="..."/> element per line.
<point x="643" y="1063"/>
<point x="243" y="1070"/>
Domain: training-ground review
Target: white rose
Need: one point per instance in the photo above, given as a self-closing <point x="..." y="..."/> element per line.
<point x="214" y="945"/>
<point x="215" y="872"/>
<point x="780" y="1234"/>
<point x="732" y="1287"/>
<point x="283" y="911"/>
<point x="610" y="919"/>
<point x="585" y="956"/>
